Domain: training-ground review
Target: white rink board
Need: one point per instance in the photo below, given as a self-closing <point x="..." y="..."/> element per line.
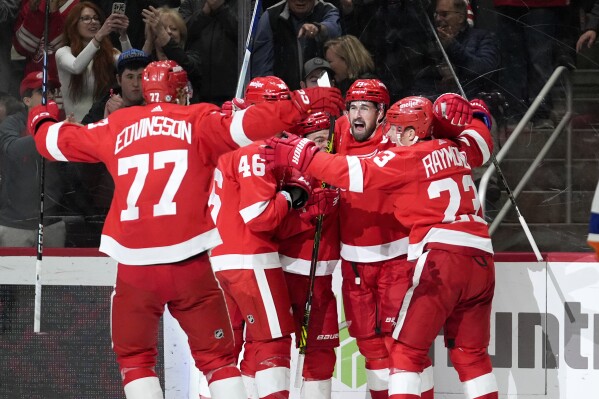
<point x="527" y="294"/>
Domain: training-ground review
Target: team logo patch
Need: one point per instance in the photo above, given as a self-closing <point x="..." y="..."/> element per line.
<point x="219" y="334"/>
<point x="251" y="319"/>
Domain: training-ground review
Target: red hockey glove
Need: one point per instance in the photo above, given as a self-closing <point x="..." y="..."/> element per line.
<point x="452" y="113"/>
<point x="237" y="104"/>
<point x="315" y="99"/>
<point x="323" y="201"/>
<point x="453" y="108"/>
<point x="42" y="113"/>
<point x="299" y="189"/>
<point x="480" y="110"/>
<point x="288" y="151"/>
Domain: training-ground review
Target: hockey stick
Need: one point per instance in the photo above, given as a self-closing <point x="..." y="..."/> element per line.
<point x="37" y="308"/>
<point x="248" y="51"/>
<point x="323" y="81"/>
<point x="510" y="195"/>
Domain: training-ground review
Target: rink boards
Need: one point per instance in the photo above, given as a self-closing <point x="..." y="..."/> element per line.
<point x="544" y="338"/>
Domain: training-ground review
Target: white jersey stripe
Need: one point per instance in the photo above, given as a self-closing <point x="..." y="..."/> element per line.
<point x="482" y="144"/>
<point x="356" y="177"/>
<point x="237" y="133"/>
<point x="157" y="255"/>
<point x="374" y="253"/>
<point x="253" y="211"/>
<point x="269" y="304"/>
<point x="302" y="266"/>
<point x="245" y="262"/>
<point x="450" y="237"/>
<point x="52" y="142"/>
<point x="401" y="317"/>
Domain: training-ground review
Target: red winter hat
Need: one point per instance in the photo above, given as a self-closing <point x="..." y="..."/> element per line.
<point x="33" y="81"/>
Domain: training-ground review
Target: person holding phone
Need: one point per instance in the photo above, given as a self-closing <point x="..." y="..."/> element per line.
<point x="86" y="65"/>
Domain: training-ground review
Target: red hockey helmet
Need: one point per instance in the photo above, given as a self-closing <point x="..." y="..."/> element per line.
<point x="413" y="111"/>
<point x="368" y="90"/>
<point x="266" y="88"/>
<point x="313" y="123"/>
<point x="162" y="80"/>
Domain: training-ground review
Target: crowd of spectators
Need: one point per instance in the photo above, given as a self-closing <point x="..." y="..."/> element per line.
<point x="401" y="42"/>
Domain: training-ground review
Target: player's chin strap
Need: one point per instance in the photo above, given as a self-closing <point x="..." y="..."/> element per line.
<point x="510" y="195"/>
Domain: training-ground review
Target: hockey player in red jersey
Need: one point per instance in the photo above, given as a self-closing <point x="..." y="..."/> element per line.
<point x="295" y="236"/>
<point x="248" y="203"/>
<point x="373" y="243"/>
<point x="161" y="157"/>
<point x="453" y="280"/>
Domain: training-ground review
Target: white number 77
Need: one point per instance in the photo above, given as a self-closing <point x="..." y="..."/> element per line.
<point x="141" y="162"/>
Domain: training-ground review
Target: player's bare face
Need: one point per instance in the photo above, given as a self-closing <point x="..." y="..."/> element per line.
<point x="362" y="119"/>
<point x="320" y="138"/>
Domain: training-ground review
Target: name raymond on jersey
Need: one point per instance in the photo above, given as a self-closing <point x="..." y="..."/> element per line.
<point x="153" y="126"/>
<point x="444" y="158"/>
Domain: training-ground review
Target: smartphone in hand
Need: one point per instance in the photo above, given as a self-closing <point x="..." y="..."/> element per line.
<point x="118" y="8"/>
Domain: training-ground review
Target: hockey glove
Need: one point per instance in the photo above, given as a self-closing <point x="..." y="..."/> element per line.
<point x="315" y="99"/>
<point x="323" y="201"/>
<point x="42" y="113"/>
<point x="452" y="113"/>
<point x="237" y="104"/>
<point x="291" y="151"/>
<point x="299" y="189"/>
<point x="480" y="110"/>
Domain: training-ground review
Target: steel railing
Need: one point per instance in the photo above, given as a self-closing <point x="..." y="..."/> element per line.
<point x="564" y="124"/>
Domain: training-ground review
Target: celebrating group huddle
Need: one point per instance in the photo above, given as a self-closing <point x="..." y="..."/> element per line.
<point x="193" y="220"/>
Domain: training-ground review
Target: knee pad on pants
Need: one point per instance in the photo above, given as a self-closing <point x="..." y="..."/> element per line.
<point x="470" y="363"/>
<point x="403" y="357"/>
<point x="319" y="364"/>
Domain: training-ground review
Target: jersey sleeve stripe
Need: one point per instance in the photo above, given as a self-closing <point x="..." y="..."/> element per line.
<point x="480" y="141"/>
<point x="237" y="133"/>
<point x="356" y="177"/>
<point x="253" y="211"/>
<point x="52" y="142"/>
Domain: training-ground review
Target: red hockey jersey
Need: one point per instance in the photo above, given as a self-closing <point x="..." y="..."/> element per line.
<point x="247" y="208"/>
<point x="369" y="232"/>
<point x="296" y="241"/>
<point x="162" y="158"/>
<point x="435" y="196"/>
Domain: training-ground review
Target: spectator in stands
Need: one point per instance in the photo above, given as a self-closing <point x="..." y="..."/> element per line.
<point x="29" y="32"/>
<point x="8" y="12"/>
<point x="86" y="64"/>
<point x="133" y="10"/>
<point x="349" y="60"/>
<point x="213" y="35"/>
<point x="19" y="184"/>
<point x="289" y="33"/>
<point x="166" y="35"/>
<point x="525" y="29"/>
<point x="314" y="69"/>
<point x="9" y="106"/>
<point x="473" y="53"/>
<point x="189" y="8"/>
<point x="590" y="27"/>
